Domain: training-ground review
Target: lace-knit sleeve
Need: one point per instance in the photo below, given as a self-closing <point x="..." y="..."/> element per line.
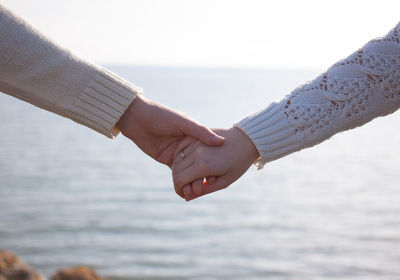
<point x="352" y="92"/>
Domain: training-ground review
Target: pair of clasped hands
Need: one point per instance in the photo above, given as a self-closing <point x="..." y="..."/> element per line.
<point x="202" y="160"/>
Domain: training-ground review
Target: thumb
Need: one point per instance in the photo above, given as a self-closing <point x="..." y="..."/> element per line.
<point x="202" y="133"/>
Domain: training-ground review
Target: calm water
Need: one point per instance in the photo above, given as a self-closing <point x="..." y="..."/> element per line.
<point x="70" y="196"/>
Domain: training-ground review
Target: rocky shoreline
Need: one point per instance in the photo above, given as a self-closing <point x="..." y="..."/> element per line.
<point x="13" y="268"/>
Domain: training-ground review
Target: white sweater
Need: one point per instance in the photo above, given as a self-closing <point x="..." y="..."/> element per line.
<point x="34" y="69"/>
<point x="352" y="92"/>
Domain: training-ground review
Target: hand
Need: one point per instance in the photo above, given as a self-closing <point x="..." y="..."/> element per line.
<point x="199" y="169"/>
<point x="157" y="130"/>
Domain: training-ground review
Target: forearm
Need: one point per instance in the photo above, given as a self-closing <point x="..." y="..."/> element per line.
<point x="352" y="92"/>
<point x="36" y="70"/>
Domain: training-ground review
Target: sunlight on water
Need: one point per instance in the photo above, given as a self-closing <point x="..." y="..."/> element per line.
<point x="71" y="196"/>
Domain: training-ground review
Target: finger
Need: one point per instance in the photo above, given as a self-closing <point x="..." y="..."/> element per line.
<point x="187" y="162"/>
<point x="211" y="180"/>
<point x="187" y="175"/>
<point x="197" y="187"/>
<point x="181" y="181"/>
<point x="178" y="193"/>
<point x="187" y="191"/>
<point x="191" y="148"/>
<point x="219" y="184"/>
<point x="202" y="133"/>
<point x="186" y="142"/>
<point x="206" y="190"/>
<point x="184" y="175"/>
<point x="186" y="156"/>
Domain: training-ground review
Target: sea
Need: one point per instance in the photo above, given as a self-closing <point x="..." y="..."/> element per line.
<point x="70" y="196"/>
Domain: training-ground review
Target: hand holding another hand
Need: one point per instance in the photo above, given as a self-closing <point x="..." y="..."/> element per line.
<point x="157" y="130"/>
<point x="199" y="169"/>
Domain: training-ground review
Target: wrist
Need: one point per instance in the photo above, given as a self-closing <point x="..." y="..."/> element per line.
<point x="245" y="145"/>
<point x="130" y="118"/>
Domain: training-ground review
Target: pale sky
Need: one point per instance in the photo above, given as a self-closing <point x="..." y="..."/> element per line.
<point x="211" y="33"/>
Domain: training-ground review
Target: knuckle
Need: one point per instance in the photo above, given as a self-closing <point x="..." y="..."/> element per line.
<point x="178" y="190"/>
<point x="177" y="180"/>
<point x="178" y="184"/>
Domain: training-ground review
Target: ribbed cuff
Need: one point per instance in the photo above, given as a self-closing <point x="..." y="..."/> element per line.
<point x="103" y="103"/>
<point x="271" y="132"/>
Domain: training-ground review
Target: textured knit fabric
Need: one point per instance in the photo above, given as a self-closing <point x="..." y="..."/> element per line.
<point x="352" y="92"/>
<point x="36" y="70"/>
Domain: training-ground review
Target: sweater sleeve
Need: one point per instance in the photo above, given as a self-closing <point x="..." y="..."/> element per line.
<point x="352" y="92"/>
<point x="36" y="70"/>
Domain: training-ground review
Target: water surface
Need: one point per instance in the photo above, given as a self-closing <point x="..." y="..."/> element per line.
<point x="71" y="196"/>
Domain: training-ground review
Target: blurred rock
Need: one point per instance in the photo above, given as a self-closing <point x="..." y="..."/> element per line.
<point x="12" y="268"/>
<point x="76" y="273"/>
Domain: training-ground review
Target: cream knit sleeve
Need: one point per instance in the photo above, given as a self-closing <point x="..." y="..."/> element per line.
<point x="352" y="92"/>
<point x="36" y="70"/>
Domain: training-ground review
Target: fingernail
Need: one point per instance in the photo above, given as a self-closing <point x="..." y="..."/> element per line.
<point x="217" y="137"/>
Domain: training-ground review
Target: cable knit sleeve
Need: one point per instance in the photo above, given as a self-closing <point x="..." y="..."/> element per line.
<point x="36" y="70"/>
<point x="352" y="92"/>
